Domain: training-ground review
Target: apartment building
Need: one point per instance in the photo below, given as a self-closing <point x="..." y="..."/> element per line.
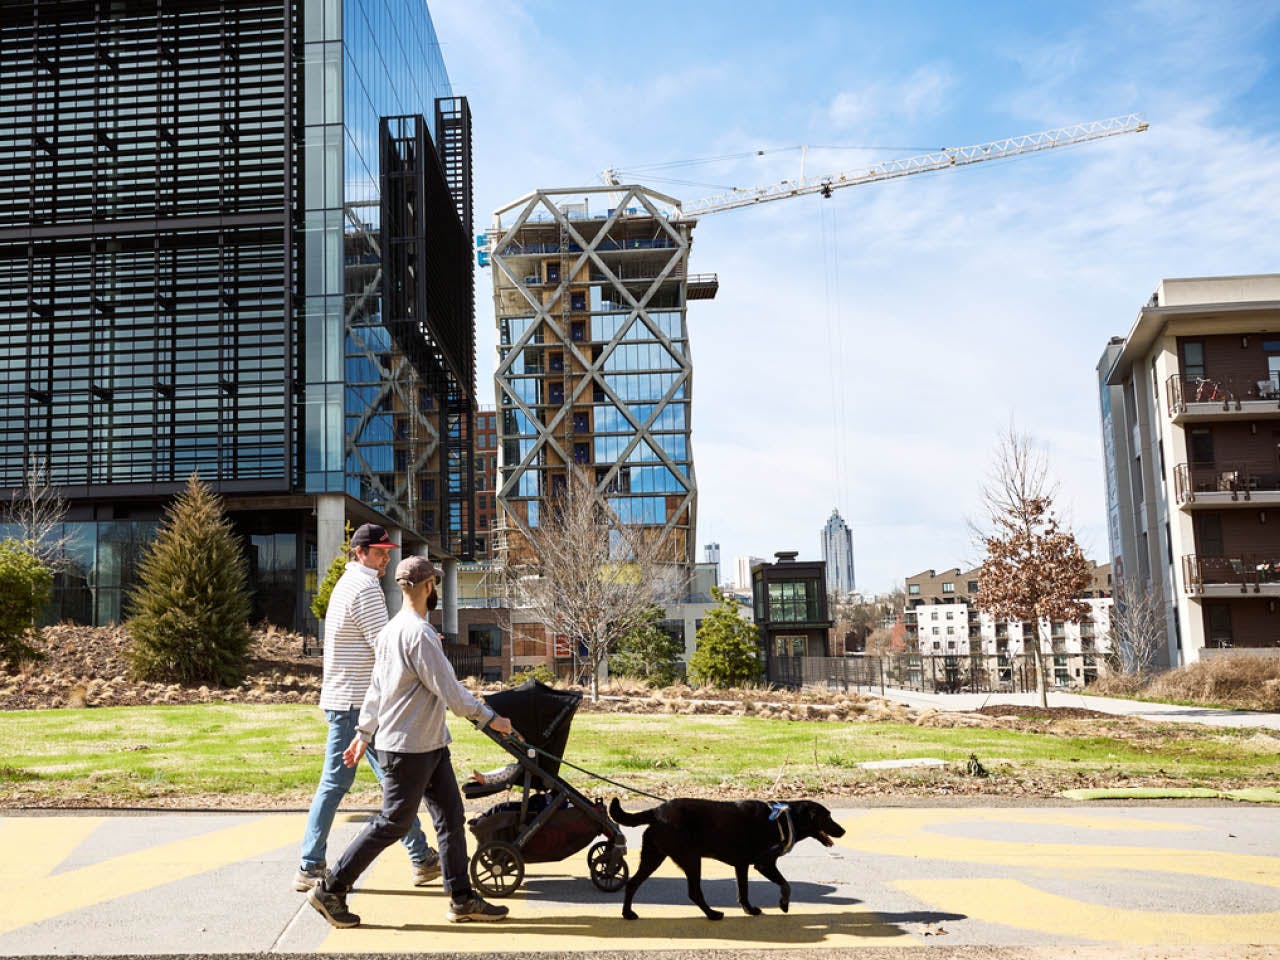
<point x="1190" y="409"/>
<point x="939" y="603"/>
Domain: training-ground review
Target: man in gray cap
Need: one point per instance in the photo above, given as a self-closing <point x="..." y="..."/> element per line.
<point x="412" y="685"/>
<point x="357" y="611"/>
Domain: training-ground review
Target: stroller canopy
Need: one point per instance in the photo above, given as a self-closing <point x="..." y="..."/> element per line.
<point x="541" y="715"/>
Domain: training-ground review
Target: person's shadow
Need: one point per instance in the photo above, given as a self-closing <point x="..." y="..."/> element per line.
<point x="772" y="927"/>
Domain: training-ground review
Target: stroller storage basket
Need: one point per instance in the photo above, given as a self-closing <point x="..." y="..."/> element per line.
<point x="566" y="832"/>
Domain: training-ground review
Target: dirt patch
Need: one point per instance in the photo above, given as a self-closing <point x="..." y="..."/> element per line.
<point x="1042" y="713"/>
<point x="89" y="667"/>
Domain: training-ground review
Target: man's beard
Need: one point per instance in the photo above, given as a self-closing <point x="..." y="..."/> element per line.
<point x="433" y="600"/>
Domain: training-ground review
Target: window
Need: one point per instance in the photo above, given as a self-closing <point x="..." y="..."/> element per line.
<point x="790" y="645"/>
<point x="1209" y="535"/>
<point x="1192" y="359"/>
<point x="973" y="586"/>
<point x="948" y="587"/>
<point x="913" y="589"/>
<point x="1200" y="445"/>
<point x="486" y="636"/>
<point x="794" y="601"/>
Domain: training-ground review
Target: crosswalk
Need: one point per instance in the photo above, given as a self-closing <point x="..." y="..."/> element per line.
<point x="219" y="883"/>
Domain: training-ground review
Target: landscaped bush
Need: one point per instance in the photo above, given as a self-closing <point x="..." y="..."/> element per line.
<point x="25" y="587"/>
<point x="190" y="610"/>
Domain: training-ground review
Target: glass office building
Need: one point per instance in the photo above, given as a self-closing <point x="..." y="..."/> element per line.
<point x="190" y="278"/>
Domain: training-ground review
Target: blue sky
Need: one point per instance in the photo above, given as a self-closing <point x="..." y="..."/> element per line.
<point x="865" y="351"/>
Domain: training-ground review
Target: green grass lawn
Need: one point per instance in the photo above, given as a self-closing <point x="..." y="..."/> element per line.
<point x="119" y="754"/>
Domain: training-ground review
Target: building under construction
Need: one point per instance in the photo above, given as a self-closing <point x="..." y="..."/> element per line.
<point x="594" y="374"/>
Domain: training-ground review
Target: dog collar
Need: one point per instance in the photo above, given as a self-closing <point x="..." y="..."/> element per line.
<point x="781" y="814"/>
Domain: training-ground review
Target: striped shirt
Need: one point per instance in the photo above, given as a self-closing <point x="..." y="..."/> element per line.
<point x="357" y="611"/>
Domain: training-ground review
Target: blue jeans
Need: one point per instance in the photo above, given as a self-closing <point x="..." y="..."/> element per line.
<point x="335" y="782"/>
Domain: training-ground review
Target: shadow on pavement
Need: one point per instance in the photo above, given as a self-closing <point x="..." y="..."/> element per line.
<point x="773" y="927"/>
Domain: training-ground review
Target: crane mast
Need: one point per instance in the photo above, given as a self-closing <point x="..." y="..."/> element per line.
<point x="909" y="166"/>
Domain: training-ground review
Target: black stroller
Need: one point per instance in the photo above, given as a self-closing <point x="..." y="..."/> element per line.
<point x="551" y="820"/>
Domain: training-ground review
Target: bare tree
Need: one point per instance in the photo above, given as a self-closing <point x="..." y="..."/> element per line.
<point x="38" y="511"/>
<point x="1034" y="569"/>
<point x="595" y="579"/>
<point x="1139" y="630"/>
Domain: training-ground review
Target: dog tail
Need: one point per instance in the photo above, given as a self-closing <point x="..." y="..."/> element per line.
<point x="629" y="819"/>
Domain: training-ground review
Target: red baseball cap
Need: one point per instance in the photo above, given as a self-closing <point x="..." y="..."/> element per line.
<point x="371" y="535"/>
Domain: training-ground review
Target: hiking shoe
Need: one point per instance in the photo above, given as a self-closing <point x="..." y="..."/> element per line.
<point x="332" y="906"/>
<point x="306" y="878"/>
<point x="475" y="909"/>
<point x="428" y="870"/>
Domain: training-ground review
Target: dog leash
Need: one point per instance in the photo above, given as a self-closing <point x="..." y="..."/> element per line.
<point x="781" y="814"/>
<point x="594" y="775"/>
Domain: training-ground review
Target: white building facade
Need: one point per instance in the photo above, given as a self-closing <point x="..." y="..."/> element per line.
<point x="1075" y="649"/>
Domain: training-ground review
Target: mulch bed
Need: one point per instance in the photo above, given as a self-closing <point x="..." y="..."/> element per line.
<point x="1042" y="713"/>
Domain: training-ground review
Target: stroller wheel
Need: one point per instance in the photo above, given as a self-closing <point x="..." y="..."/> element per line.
<point x="608" y="866"/>
<point x="497" y="869"/>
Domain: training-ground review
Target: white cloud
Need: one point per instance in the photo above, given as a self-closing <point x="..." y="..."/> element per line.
<point x="880" y="105"/>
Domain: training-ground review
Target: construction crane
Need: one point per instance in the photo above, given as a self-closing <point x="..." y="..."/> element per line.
<point x="944" y="159"/>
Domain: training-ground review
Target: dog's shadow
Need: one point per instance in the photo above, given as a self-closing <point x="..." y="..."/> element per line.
<point x="721" y="893"/>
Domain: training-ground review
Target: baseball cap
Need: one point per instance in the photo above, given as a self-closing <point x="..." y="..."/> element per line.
<point x="415" y="570"/>
<point x="371" y="535"/>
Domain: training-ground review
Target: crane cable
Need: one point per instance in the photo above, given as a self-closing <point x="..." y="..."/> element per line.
<point x="836" y="368"/>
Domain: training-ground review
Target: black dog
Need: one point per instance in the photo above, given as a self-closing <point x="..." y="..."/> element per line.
<point x="749" y="833"/>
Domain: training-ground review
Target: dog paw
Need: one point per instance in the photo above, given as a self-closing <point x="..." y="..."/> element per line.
<point x="784" y="904"/>
<point x="715" y="915"/>
<point x="753" y="911"/>
<point x="630" y="915"/>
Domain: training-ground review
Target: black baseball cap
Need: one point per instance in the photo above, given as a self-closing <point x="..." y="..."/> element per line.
<point x="371" y="535"/>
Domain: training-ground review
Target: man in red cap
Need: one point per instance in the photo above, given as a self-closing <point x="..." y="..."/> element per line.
<point x="357" y="611"/>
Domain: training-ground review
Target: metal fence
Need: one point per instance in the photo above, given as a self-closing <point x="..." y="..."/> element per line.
<point x="971" y="673"/>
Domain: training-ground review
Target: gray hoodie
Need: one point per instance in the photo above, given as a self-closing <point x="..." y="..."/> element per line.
<point x="412" y="684"/>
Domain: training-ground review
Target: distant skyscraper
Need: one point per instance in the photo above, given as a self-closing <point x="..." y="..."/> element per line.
<point x="742" y="571"/>
<point x="713" y="556"/>
<point x="837" y="551"/>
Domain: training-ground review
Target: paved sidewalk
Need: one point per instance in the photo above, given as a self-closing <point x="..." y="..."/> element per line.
<point x="1164" y="712"/>
<point x="978" y="878"/>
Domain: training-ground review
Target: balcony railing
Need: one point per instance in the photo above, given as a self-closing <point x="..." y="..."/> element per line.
<point x="1240" y="480"/>
<point x="1247" y="571"/>
<point x="1229" y="392"/>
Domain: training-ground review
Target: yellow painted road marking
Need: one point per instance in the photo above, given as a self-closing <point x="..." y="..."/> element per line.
<point x="35" y="846"/>
<point x="395" y="917"/>
<point x="30" y="898"/>
<point x="1013" y="903"/>
<point x="908" y="833"/>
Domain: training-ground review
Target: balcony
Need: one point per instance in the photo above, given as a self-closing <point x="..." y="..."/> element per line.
<point x="1248" y="573"/>
<point x="1225" y="485"/>
<point x="1198" y="399"/>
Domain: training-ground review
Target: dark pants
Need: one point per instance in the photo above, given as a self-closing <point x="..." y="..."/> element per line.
<point x="407" y="779"/>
